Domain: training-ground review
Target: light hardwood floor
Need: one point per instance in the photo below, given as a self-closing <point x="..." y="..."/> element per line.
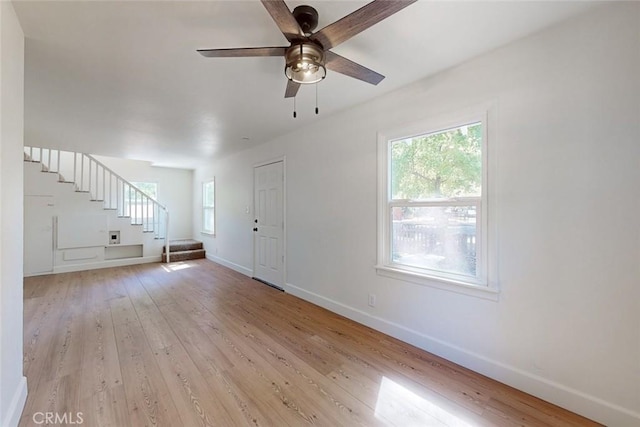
<point x="197" y="344"/>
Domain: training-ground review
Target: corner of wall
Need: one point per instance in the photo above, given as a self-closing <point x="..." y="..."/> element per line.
<point x="14" y="411"/>
<point x="236" y="267"/>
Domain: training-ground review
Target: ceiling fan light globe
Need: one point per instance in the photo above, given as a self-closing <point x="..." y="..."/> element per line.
<point x="305" y="76"/>
<point x="305" y="63"/>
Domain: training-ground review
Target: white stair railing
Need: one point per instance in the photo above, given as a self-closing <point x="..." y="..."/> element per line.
<point x="104" y="185"/>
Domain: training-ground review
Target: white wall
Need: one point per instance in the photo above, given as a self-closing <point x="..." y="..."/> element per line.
<point x="566" y="141"/>
<point x="173" y="189"/>
<point x="13" y="386"/>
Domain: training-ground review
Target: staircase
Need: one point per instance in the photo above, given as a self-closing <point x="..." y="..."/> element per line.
<point x="183" y="250"/>
<point x="101" y="184"/>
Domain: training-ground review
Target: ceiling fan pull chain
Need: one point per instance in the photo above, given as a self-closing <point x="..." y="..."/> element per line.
<point x="294" y="107"/>
<point x="316" y="98"/>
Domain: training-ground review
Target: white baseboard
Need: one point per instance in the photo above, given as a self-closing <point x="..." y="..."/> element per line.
<point x="104" y="264"/>
<point x="561" y="395"/>
<point x="14" y="412"/>
<point x="237" y="267"/>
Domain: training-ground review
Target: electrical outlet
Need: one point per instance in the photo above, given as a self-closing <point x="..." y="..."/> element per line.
<point x="372" y="300"/>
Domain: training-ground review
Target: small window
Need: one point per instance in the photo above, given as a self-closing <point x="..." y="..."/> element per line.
<point x="209" y="207"/>
<point x="137" y="205"/>
<point x="148" y="188"/>
<point x="433" y="218"/>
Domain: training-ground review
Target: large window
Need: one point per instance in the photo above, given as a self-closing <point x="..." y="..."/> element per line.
<point x="433" y="202"/>
<point x="209" y="207"/>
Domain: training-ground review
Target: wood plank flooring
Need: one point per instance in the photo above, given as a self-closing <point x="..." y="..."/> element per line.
<point x="196" y="344"/>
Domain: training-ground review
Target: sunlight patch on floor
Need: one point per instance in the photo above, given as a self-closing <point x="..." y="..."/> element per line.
<point x="403" y="407"/>
<point x="176" y="266"/>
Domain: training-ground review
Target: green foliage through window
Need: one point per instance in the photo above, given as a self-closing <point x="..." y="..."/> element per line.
<point x="446" y="164"/>
<point x="435" y="206"/>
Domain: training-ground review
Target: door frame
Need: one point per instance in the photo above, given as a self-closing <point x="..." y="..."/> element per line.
<point x="282" y="159"/>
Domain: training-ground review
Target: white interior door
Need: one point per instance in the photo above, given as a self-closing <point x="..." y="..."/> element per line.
<point x="268" y="231"/>
<point x="38" y="234"/>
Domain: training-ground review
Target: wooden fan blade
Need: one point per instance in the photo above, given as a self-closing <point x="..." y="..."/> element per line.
<point x="358" y="21"/>
<point x="284" y="19"/>
<point x="292" y="89"/>
<point x="243" y="51"/>
<point x="345" y="66"/>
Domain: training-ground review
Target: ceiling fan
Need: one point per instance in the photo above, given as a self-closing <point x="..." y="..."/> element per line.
<point x="309" y="55"/>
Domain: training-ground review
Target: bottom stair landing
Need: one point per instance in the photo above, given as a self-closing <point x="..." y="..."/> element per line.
<point x="183" y="250"/>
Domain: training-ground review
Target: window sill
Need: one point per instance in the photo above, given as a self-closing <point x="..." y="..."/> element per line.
<point x="452" y="285"/>
<point x="208" y="233"/>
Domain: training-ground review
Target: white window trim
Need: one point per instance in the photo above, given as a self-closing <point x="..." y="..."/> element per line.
<point x="202" y="229"/>
<point x="484" y="286"/>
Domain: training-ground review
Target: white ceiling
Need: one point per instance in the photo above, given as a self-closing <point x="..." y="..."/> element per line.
<point x="123" y="79"/>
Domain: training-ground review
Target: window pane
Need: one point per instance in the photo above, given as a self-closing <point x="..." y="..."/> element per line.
<point x="208" y="194"/>
<point x="445" y="164"/>
<point x="208" y="222"/>
<point x="437" y="238"/>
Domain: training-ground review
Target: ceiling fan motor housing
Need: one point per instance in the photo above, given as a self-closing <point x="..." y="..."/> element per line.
<point x="307" y="18"/>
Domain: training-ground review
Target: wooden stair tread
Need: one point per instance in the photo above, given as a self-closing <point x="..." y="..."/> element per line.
<point x="183" y="245"/>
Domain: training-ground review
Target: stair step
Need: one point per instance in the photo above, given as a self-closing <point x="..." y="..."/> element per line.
<point x="185" y="255"/>
<point x="183" y="245"/>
